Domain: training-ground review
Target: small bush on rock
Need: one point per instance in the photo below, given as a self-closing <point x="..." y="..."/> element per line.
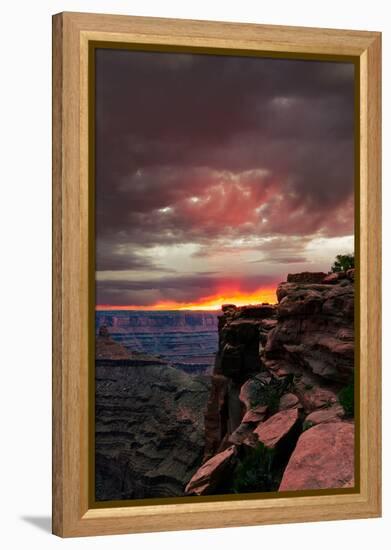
<point x="346" y="398"/>
<point x="269" y="394"/>
<point x="343" y="262"/>
<point x="254" y="472"/>
<point x="307" y="425"/>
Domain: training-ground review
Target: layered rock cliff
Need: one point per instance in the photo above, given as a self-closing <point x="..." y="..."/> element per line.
<point x="279" y="414"/>
<point x="276" y="414"/>
<point x="187" y="339"/>
<point x="149" y="424"/>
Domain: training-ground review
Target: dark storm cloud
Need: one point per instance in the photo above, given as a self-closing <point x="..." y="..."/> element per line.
<point x="264" y="146"/>
<point x="110" y="256"/>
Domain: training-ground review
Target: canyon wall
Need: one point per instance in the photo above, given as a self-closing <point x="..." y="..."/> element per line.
<point x="186" y="339"/>
<point x="149" y="424"/>
<point x="276" y="414"/>
<point x="280" y="409"/>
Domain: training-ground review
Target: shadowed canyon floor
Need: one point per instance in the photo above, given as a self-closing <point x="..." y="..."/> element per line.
<point x="274" y="413"/>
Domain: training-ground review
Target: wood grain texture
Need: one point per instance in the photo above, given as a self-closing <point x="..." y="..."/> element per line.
<point x="72" y="32"/>
<point x="57" y="462"/>
<point x="372" y="366"/>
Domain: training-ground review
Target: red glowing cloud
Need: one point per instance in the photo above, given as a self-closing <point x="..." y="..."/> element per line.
<point x="216" y="175"/>
<point x="212" y="302"/>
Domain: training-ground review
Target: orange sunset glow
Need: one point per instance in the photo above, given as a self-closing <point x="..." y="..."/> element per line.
<point x="207" y="303"/>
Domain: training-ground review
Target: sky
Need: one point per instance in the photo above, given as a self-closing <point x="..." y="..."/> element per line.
<point x="216" y="176"/>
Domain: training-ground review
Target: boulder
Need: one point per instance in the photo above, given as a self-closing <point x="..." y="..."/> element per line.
<point x="334" y="413"/>
<point x="255" y="415"/>
<point x="333" y="278"/>
<point x="289" y="401"/>
<point x="212" y="473"/>
<point x="323" y="459"/>
<point x="316" y="397"/>
<point x="277" y="427"/>
<point x="240" y="434"/>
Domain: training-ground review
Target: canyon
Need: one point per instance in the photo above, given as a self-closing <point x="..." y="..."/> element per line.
<point x="271" y="410"/>
<point x="185" y="339"/>
<point x="149" y="423"/>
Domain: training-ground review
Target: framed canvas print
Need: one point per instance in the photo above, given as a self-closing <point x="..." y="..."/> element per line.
<point x="216" y="304"/>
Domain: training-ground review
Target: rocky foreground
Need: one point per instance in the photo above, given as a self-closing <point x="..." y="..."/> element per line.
<point x="280" y="410"/>
<point x="276" y="414"/>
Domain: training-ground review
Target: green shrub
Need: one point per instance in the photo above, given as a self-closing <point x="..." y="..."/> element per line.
<point x="343" y="262"/>
<point x="265" y="395"/>
<point x="269" y="394"/>
<point x="346" y="398"/>
<point x="307" y="425"/>
<point x="254" y="472"/>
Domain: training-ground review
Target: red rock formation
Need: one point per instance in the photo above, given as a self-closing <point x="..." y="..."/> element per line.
<point x="333" y="278"/>
<point x="255" y="415"/>
<point x="107" y="348"/>
<point x="279" y="367"/>
<point x="323" y="459"/>
<point x="306" y="277"/>
<point x="315" y="329"/>
<point x="316" y="397"/>
<point x="216" y="416"/>
<point x="278" y="426"/>
<point x="207" y="478"/>
<point x="334" y="413"/>
<point x="238" y="359"/>
<point x="289" y="401"/>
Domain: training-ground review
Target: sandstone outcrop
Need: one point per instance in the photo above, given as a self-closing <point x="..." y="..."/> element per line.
<point x="276" y="383"/>
<point x="212" y="472"/>
<point x="315" y="329"/>
<point x="237" y="360"/>
<point x="335" y="413"/>
<point x="323" y="459"/>
<point x="307" y="277"/>
<point x="277" y="427"/>
<point x="289" y="401"/>
<point x="255" y="415"/>
<point x="268" y="418"/>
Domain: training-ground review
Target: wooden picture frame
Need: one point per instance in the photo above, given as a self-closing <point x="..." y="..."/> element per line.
<point x="72" y="251"/>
